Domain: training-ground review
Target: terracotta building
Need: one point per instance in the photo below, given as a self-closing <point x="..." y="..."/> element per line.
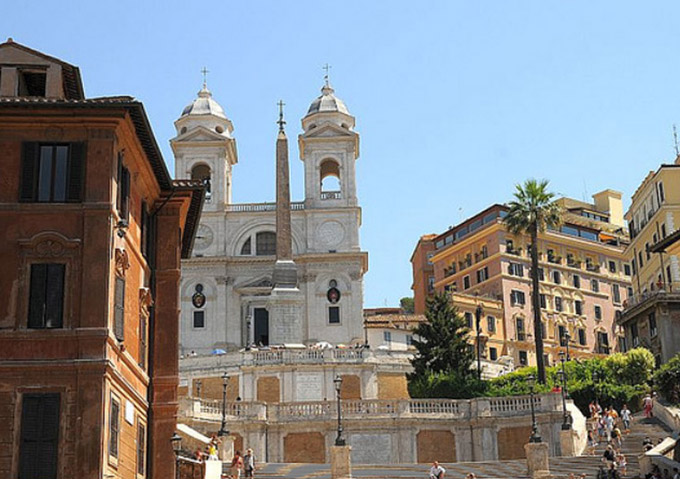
<point x="584" y="276"/>
<point x="93" y="231"/>
<point x="423" y="272"/>
<point x="651" y="317"/>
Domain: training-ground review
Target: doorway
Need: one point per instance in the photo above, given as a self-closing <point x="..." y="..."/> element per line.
<point x="261" y="332"/>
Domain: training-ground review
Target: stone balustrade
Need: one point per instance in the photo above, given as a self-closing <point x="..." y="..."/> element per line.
<point x="211" y="410"/>
<point x="251" y="207"/>
<point x="290" y="356"/>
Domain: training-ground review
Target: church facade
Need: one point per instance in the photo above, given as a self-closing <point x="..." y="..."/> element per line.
<point x="229" y="299"/>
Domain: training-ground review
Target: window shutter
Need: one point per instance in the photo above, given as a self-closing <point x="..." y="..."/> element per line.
<point x="119" y="310"/>
<point x="142" y="341"/>
<point x="54" y="296"/>
<point x="76" y="172"/>
<point x="113" y="428"/>
<point x="38" y="452"/>
<point x="36" y="306"/>
<point x="29" y="167"/>
<point x="125" y="199"/>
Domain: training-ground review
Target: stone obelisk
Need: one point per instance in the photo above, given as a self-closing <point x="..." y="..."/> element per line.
<point x="286" y="300"/>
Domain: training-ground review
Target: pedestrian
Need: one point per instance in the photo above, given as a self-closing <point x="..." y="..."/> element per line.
<point x="601" y="473"/>
<point x="617" y="438"/>
<point x="612" y="473"/>
<point x="608" y="426"/>
<point x="249" y="463"/>
<point x="471" y="475"/>
<point x="676" y="473"/>
<point x="621" y="464"/>
<point x="592" y="443"/>
<point x="212" y="452"/>
<point x="236" y="465"/>
<point x="626" y="417"/>
<point x="437" y="471"/>
<point x="648" y="405"/>
<point x="608" y="454"/>
<point x="647" y="444"/>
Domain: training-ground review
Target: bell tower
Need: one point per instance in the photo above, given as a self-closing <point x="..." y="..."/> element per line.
<point x="205" y="149"/>
<point x="329" y="148"/>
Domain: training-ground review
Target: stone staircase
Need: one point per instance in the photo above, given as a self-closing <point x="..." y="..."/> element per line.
<point x="560" y="467"/>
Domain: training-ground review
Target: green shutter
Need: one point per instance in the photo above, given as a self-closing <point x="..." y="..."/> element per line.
<point x="29" y="168"/>
<point x="76" y="167"/>
<point x="119" y="310"/>
<point x="38" y="451"/>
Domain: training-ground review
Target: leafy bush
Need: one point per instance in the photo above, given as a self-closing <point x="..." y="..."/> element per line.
<point x="446" y="385"/>
<point x="621" y="378"/>
<point x="667" y="379"/>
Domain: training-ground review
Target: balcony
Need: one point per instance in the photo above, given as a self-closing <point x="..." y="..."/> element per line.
<point x="669" y="292"/>
<point x="331" y="195"/>
<point x="593" y="267"/>
<point x="514" y="251"/>
<point x="554" y="259"/>
<point x="258" y="207"/>
<point x="360" y="409"/>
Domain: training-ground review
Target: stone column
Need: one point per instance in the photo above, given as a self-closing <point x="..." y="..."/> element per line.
<point x="568" y="438"/>
<point x="226" y="451"/>
<point x="537" y="459"/>
<point x="341" y="462"/>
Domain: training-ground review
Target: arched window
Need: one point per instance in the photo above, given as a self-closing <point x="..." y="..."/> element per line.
<point x="330" y="179"/>
<point x="202" y="173"/>
<point x="246" y="249"/>
<point x="265" y="243"/>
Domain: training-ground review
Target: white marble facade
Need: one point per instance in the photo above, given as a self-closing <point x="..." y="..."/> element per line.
<point x="233" y="257"/>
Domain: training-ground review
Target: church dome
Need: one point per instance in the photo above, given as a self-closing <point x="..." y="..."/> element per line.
<point x="204" y="105"/>
<point x="327" y="103"/>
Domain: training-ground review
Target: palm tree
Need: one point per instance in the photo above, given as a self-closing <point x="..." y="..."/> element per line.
<point x="533" y="210"/>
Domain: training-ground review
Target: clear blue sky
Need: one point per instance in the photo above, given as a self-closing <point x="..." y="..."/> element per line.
<point x="455" y="101"/>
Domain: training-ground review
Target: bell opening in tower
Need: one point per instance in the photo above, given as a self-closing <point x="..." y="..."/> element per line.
<point x="261" y="331"/>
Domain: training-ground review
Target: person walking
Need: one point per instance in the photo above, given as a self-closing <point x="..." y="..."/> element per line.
<point x="608" y="426"/>
<point x="437" y="471"/>
<point x="249" y="463"/>
<point x="592" y="443"/>
<point x="648" y="405"/>
<point x="236" y="465"/>
<point x="625" y="418"/>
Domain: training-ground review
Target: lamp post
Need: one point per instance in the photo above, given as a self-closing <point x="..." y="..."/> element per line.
<point x="566" y="423"/>
<point x="223" y="428"/>
<point x="535" y="437"/>
<point x="596" y="382"/>
<point x="176" y="441"/>
<point x="249" y="320"/>
<point x="478" y="317"/>
<point x="339" y="440"/>
<point x="567" y="338"/>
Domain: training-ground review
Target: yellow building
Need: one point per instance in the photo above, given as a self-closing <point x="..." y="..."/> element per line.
<point x="651" y="317"/>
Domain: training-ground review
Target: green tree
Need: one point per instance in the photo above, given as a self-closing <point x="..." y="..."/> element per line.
<point x="667" y="378"/>
<point x="441" y="341"/>
<point x="407" y="305"/>
<point x="533" y="210"/>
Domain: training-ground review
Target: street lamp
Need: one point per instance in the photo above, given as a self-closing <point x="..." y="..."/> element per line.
<point x="567" y="338"/>
<point x="478" y="318"/>
<point x="339" y="441"/>
<point x="535" y="437"/>
<point x="566" y="424"/>
<point x="223" y="428"/>
<point x="176" y="441"/>
<point x="596" y="381"/>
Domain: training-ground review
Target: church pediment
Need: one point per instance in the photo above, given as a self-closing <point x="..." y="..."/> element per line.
<point x="329" y="130"/>
<point x="200" y="134"/>
<point x="262" y="282"/>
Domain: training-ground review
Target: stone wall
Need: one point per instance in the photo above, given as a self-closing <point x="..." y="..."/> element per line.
<point x="351" y="387"/>
<point x="268" y="389"/>
<point x="304" y="447"/>
<point x="392" y="386"/>
<point x="436" y="445"/>
<point x="212" y="387"/>
<point x="511" y="442"/>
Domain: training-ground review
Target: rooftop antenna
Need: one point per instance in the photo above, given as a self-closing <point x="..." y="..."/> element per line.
<point x="585" y="191"/>
<point x="326" y="77"/>
<point x="675" y="140"/>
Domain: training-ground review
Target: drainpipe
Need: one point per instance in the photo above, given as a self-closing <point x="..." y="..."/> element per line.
<point x="663" y="272"/>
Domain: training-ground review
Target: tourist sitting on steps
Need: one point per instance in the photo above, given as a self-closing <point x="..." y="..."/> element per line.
<point x="437" y="471"/>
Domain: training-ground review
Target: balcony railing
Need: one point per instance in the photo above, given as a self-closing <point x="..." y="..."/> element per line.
<point x="667" y="291"/>
<point x="257" y="207"/>
<point x="210" y="410"/>
<point x="331" y="195"/>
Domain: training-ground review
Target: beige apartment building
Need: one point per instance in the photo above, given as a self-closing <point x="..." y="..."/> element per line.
<point x="585" y="277"/>
<point x="651" y="317"/>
